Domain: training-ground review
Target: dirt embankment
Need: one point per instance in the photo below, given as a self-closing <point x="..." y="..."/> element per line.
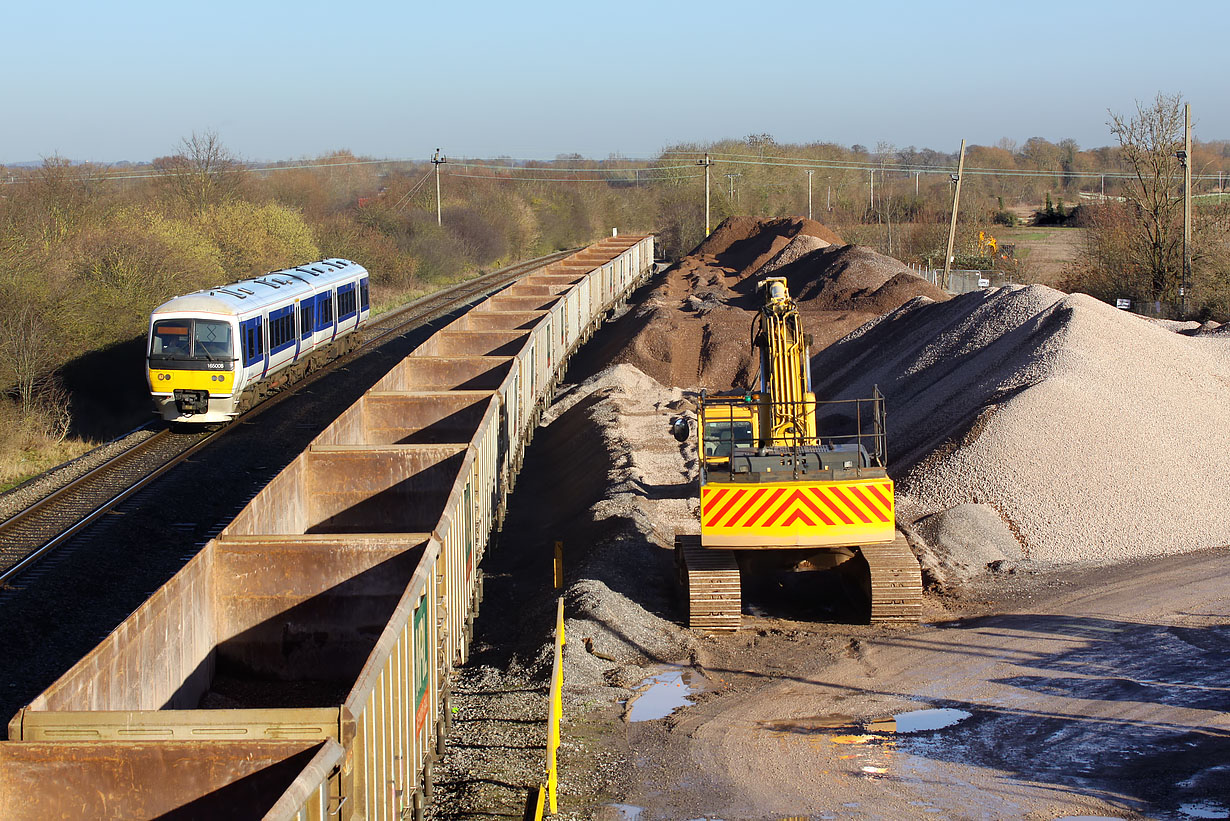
<point x="693" y="330"/>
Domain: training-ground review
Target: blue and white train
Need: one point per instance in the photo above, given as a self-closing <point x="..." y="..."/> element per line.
<point x="215" y="353"/>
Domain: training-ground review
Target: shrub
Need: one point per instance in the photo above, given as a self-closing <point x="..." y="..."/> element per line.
<point x="252" y="239"/>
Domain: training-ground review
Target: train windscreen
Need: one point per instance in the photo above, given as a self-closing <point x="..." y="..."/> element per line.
<point x="206" y="339"/>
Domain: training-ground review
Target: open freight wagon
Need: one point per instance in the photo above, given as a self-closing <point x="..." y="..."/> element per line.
<point x="297" y="666"/>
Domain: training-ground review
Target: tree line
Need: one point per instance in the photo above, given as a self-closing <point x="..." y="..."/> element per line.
<point x="86" y="251"/>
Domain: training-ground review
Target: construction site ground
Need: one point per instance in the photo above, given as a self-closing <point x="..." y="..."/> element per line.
<point x="1072" y="653"/>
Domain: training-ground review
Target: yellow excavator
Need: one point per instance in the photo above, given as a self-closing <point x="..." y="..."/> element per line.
<point x="789" y="480"/>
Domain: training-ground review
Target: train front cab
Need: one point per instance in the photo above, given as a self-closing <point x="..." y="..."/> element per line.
<point x="192" y="367"/>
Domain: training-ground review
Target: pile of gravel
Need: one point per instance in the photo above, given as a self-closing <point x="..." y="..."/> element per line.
<point x="693" y="330"/>
<point x="1093" y="434"/>
<point x="621" y="593"/>
<point x="801" y="246"/>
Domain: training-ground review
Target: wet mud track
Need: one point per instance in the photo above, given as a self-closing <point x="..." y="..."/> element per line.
<point x="1110" y="699"/>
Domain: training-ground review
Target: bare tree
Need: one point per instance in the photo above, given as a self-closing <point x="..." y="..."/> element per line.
<point x="1148" y="144"/>
<point x="27" y="345"/>
<point x="203" y="173"/>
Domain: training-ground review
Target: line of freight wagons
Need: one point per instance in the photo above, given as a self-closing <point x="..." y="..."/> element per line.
<point x="299" y="665"/>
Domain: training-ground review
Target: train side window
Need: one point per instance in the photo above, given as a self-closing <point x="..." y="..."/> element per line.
<point x="326" y="309"/>
<point x="365" y="303"/>
<point x="346" y="301"/>
<point x="305" y="318"/>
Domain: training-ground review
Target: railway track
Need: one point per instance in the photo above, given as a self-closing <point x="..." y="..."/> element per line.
<point x="34" y="532"/>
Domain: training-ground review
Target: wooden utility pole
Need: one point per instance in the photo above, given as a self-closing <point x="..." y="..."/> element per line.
<point x="1187" y="208"/>
<point x="730" y="194"/>
<point x="952" y="226"/>
<point x="437" y="161"/>
<point x="809" y="173"/>
<point x="706" y="162"/>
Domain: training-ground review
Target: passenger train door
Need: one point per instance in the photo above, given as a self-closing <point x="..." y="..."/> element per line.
<point x="262" y="328"/>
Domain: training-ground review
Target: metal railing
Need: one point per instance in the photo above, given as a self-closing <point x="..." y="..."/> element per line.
<point x="838" y="422"/>
<point x="964" y="280"/>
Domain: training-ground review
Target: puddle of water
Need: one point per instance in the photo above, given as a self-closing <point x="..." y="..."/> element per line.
<point x="659" y="696"/>
<point x="849" y="730"/>
<point x="1205" y="809"/>
<point x="627" y="812"/>
<point x="917" y="721"/>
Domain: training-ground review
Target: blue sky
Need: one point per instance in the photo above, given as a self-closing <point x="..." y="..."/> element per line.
<point x="126" y="81"/>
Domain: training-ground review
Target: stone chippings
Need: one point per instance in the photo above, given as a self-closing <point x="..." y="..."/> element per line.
<point x="1095" y="434"/>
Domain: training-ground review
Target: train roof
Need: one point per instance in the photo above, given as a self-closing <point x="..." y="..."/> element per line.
<point x="271" y="288"/>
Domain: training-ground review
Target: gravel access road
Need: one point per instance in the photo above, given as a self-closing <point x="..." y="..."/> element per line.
<point x="1106" y="698"/>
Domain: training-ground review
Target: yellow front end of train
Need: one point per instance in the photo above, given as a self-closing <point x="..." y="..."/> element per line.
<point x="191" y="368"/>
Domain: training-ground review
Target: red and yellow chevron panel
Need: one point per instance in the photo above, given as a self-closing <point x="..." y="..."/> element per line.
<point x="797" y="514"/>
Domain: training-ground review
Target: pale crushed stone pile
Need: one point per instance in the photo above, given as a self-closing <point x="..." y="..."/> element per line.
<point x="1096" y="435"/>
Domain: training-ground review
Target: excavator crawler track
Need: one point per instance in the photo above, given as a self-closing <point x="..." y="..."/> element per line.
<point x="894" y="582"/>
<point x="710" y="579"/>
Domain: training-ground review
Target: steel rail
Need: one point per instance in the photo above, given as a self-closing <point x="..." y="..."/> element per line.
<point x="415" y="313"/>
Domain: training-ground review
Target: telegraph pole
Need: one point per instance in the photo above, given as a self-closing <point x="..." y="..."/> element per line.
<point x="809" y="173"/>
<point x="1186" y="159"/>
<point x="706" y="162"/>
<point x="438" y="161"/>
<point x="871" y="202"/>
<point x="731" y="179"/>
<point x="956" y="204"/>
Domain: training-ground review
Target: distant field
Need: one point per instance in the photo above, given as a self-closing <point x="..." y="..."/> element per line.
<point x="1045" y="252"/>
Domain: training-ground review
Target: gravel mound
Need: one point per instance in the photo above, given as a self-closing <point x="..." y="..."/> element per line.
<point x="968" y="540"/>
<point x="1091" y="432"/>
<point x="746" y="243"/>
<point x="801" y="246"/>
<point x="693" y="330"/>
<point x="851" y="277"/>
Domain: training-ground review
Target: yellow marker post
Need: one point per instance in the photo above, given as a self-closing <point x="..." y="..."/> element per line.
<point x="559" y="565"/>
